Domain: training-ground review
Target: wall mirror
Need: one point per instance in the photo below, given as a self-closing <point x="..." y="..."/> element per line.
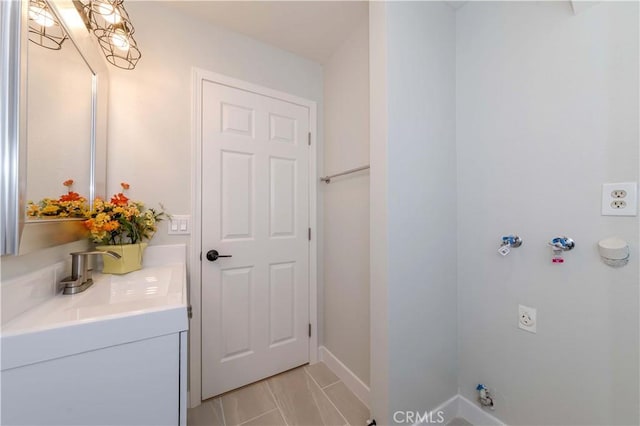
<point x="54" y="115"/>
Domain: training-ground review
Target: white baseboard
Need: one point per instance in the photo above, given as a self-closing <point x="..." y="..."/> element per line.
<point x="449" y="410"/>
<point x="459" y="406"/>
<point x="351" y="381"/>
<point x="476" y="415"/>
<point x="456" y="406"/>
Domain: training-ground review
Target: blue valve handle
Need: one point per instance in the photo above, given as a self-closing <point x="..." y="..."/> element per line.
<point x="559" y="242"/>
<point x="509" y="239"/>
<point x="563" y="243"/>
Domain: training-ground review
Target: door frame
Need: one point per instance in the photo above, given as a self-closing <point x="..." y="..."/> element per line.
<point x="199" y="75"/>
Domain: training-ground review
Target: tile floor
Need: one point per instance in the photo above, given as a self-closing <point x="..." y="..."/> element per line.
<point x="459" y="421"/>
<point x="311" y="395"/>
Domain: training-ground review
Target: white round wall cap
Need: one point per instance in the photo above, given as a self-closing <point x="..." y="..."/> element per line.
<point x="613" y="248"/>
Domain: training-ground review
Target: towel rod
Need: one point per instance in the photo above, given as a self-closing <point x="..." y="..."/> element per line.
<point x="327" y="179"/>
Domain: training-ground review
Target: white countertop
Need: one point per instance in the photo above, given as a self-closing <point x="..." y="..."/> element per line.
<point x="116" y="309"/>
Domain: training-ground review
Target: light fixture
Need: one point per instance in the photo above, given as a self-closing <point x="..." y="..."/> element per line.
<point x="106" y="19"/>
<point x="44" y="28"/>
<point x="120" y="40"/>
<point x="110" y="23"/>
<point x="41" y="15"/>
<point x="108" y="11"/>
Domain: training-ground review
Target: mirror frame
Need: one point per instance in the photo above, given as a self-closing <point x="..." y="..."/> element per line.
<point x="17" y="235"/>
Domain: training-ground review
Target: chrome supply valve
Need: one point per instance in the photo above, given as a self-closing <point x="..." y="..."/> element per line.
<point x="81" y="277"/>
<point x="558" y="246"/>
<point x="484" y="397"/>
<point x="563" y="243"/>
<point x="508" y="242"/>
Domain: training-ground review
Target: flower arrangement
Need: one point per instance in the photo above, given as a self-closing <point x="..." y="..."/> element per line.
<point x="121" y="220"/>
<point x="67" y="205"/>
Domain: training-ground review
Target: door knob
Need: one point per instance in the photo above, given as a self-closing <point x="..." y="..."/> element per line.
<point x="213" y="255"/>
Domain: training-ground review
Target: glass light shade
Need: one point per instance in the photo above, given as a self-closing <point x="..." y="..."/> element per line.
<point x="109" y="12"/>
<point x="103" y="13"/>
<point x="44" y="28"/>
<point x="41" y="16"/>
<point x="120" y="40"/>
<point x="110" y="23"/>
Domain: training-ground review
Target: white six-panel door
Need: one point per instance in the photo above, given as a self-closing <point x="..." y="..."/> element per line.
<point x="255" y="207"/>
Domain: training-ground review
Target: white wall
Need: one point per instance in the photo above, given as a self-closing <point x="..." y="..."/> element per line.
<point x="150" y="107"/>
<point x="378" y="215"/>
<point x="421" y="204"/>
<point x="346" y="203"/>
<point x="547" y="110"/>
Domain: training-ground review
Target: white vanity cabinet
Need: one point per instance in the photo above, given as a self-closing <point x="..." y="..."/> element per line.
<point x="113" y="355"/>
<point x="132" y="384"/>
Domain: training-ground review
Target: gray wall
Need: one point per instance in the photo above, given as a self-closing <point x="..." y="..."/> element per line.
<point x="547" y="111"/>
<point x="421" y="162"/>
<point x="150" y="109"/>
<point x="346" y="203"/>
<point x="378" y="213"/>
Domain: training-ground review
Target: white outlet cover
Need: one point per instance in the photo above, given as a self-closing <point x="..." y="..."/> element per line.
<point x="527" y="318"/>
<point x="630" y="199"/>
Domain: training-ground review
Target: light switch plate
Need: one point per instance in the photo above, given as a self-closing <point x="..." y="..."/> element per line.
<point x="179" y="225"/>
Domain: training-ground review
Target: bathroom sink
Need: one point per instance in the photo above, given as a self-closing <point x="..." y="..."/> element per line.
<point x="144" y="289"/>
<point x="114" y="354"/>
<point x="137" y="285"/>
<point x="144" y="286"/>
<point x="116" y="309"/>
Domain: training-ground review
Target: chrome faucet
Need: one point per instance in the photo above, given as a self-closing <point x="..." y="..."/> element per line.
<point x="81" y="278"/>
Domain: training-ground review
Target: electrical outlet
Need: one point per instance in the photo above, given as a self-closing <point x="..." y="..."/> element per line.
<point x="620" y="199"/>
<point x="527" y="318"/>
<point x="618" y="204"/>
<point x="618" y="193"/>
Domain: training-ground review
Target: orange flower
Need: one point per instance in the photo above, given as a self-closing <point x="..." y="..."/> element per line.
<point x="68" y="182"/>
<point x="111" y="226"/>
<point x="120" y="220"/>
<point x="119" y="199"/>
<point x="71" y="196"/>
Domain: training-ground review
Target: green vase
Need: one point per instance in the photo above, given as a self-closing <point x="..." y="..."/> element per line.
<point x="130" y="258"/>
